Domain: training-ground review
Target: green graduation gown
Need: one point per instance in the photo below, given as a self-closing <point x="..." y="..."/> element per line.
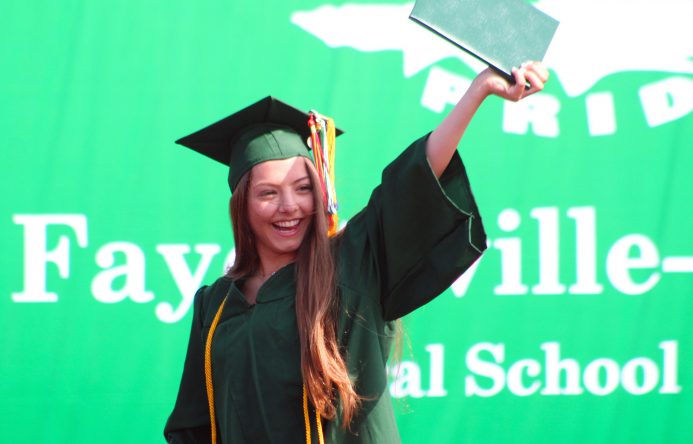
<point x="414" y="238"/>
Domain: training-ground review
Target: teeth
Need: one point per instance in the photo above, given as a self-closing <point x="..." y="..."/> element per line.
<point x="287" y="223"/>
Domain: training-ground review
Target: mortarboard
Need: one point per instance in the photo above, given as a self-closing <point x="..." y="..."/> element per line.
<point x="266" y="130"/>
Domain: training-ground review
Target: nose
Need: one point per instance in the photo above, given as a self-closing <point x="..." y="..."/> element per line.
<point x="287" y="203"/>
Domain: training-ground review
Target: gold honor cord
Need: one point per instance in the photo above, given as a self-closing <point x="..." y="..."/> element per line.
<point x="210" y="387"/>
<point x="208" y="370"/>
<point x="306" y="419"/>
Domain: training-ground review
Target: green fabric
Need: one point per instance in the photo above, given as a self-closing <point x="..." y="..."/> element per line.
<point x="260" y="144"/>
<point x="414" y="238"/>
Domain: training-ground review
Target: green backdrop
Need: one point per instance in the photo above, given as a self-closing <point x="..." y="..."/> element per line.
<point x="574" y="327"/>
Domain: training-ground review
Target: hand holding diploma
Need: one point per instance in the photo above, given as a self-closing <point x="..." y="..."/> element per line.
<point x="443" y="142"/>
<point x="533" y="73"/>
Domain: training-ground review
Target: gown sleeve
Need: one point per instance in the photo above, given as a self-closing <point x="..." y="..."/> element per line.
<point x="421" y="232"/>
<point x="189" y="421"/>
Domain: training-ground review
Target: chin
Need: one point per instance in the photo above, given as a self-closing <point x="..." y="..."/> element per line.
<point x="283" y="246"/>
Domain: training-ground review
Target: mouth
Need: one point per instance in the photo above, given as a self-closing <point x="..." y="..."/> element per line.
<point x="287" y="227"/>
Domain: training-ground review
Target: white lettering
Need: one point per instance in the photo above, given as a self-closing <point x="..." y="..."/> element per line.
<point x="37" y="255"/>
<point x="670" y="363"/>
<point x="619" y="264"/>
<point x="650" y="376"/>
<point x="592" y="381"/>
<point x="229" y="261"/>
<point x="511" y="256"/>
<point x="437" y="370"/>
<point x="531" y="368"/>
<point x="601" y="377"/>
<point x="554" y="366"/>
<point x="586" y="246"/>
<point x="480" y="367"/>
<point x="548" y="251"/>
<point x="667" y="100"/>
<point x="407" y="380"/>
<point x="406" y="376"/>
<point x="443" y="88"/>
<point x="187" y="282"/>
<point x="133" y="271"/>
<point x="601" y="118"/>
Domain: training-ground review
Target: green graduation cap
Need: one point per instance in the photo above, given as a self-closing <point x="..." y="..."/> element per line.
<point x="266" y="130"/>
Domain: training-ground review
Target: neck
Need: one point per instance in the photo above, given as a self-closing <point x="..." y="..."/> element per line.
<point x="270" y="263"/>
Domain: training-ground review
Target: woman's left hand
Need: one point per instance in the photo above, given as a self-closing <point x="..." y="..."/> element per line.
<point x="533" y="73"/>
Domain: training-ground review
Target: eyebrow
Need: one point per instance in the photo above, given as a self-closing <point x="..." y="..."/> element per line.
<point x="271" y="184"/>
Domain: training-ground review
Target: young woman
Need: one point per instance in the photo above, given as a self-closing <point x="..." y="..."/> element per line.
<point x="291" y="345"/>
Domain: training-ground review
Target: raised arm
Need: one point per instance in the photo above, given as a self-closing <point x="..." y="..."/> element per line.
<point x="443" y="142"/>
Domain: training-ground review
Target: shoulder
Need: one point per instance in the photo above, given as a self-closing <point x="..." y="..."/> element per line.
<point x="209" y="297"/>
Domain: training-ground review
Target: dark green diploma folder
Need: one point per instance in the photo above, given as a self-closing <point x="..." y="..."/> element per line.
<point x="500" y="33"/>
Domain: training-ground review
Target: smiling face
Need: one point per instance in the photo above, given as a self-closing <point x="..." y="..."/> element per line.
<point x="281" y="204"/>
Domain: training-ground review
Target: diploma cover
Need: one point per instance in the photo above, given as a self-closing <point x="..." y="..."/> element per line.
<point x="500" y="33"/>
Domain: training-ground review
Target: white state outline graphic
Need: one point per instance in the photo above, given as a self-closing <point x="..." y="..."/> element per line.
<point x="596" y="38"/>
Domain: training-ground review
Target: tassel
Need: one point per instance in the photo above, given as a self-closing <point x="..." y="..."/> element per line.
<point x="323" y="144"/>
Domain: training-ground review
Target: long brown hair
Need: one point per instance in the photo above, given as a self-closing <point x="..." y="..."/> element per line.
<point x="322" y="365"/>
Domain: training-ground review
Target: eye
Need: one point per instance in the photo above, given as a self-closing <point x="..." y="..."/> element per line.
<point x="267" y="193"/>
<point x="305" y="187"/>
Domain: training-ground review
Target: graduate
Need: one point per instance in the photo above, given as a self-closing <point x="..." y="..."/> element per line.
<point x="291" y="345"/>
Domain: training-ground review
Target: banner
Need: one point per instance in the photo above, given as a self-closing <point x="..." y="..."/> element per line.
<point x="575" y="325"/>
